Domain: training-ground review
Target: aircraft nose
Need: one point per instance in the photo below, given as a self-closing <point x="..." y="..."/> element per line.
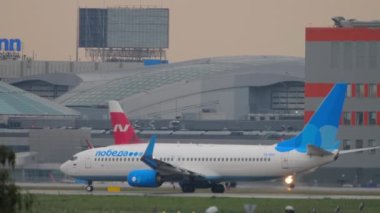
<point x="64" y="168"/>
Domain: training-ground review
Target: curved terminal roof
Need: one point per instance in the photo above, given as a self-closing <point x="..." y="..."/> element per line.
<point x="14" y="101"/>
<point x="267" y="69"/>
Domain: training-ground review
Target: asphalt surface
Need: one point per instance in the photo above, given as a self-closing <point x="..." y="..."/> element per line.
<point x="242" y="191"/>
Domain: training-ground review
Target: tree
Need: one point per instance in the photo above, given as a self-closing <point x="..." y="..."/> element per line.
<point x="11" y="199"/>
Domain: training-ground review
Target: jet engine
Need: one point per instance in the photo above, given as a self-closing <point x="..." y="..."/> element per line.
<point x="144" y="178"/>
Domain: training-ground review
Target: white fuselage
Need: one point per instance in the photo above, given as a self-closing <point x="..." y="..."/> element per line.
<point x="215" y="162"/>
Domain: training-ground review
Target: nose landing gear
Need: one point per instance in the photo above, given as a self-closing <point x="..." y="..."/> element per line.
<point x="89" y="186"/>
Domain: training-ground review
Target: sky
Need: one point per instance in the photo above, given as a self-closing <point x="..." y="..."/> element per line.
<point x="197" y="28"/>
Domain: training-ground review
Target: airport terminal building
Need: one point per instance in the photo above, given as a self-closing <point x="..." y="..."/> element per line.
<point x="237" y="99"/>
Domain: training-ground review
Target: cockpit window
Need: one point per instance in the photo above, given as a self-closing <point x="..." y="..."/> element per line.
<point x="74" y="158"/>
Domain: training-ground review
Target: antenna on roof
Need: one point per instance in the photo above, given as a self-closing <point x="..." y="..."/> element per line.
<point x="341" y="22"/>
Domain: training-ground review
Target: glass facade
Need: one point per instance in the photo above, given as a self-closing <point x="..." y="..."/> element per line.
<point x="124" y="28"/>
<point x="346" y="118"/>
<point x="15" y="101"/>
<point x="349" y="90"/>
<point x="359" y="118"/>
<point x="358" y="145"/>
<point x="143" y="81"/>
<point x="346" y="144"/>
<point x="372" y="143"/>
<point x="138" y="28"/>
<point x="360" y="90"/>
<point x="372" y="90"/>
<point x="372" y="118"/>
<point x="288" y="97"/>
<point x="92" y="28"/>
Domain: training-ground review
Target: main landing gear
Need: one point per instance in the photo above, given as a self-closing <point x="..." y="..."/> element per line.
<point x="290" y="182"/>
<point x="217" y="188"/>
<point x="187" y="188"/>
<point x="89" y="186"/>
<point x="190" y="187"/>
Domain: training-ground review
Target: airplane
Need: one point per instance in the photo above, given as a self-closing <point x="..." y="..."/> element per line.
<point x="196" y="166"/>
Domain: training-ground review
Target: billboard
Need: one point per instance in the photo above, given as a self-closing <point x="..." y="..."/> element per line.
<point x="124" y="28"/>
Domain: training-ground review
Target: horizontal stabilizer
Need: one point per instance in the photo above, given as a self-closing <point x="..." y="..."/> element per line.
<point x="316" y="151"/>
<point x="358" y="150"/>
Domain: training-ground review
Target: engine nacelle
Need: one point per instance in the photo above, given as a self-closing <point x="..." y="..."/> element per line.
<point x="144" y="178"/>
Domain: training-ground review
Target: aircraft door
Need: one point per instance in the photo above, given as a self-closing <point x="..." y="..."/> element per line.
<point x="88" y="162"/>
<point x="285" y="160"/>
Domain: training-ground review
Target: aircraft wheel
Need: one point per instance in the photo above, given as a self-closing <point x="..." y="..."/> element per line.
<point x="292" y="185"/>
<point x="217" y="188"/>
<point x="89" y="188"/>
<point x="188" y="188"/>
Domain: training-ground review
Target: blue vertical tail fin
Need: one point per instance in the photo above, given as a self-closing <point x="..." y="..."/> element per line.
<point x="322" y="128"/>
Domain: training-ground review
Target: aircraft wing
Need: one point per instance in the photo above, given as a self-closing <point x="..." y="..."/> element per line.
<point x="358" y="150"/>
<point x="167" y="170"/>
